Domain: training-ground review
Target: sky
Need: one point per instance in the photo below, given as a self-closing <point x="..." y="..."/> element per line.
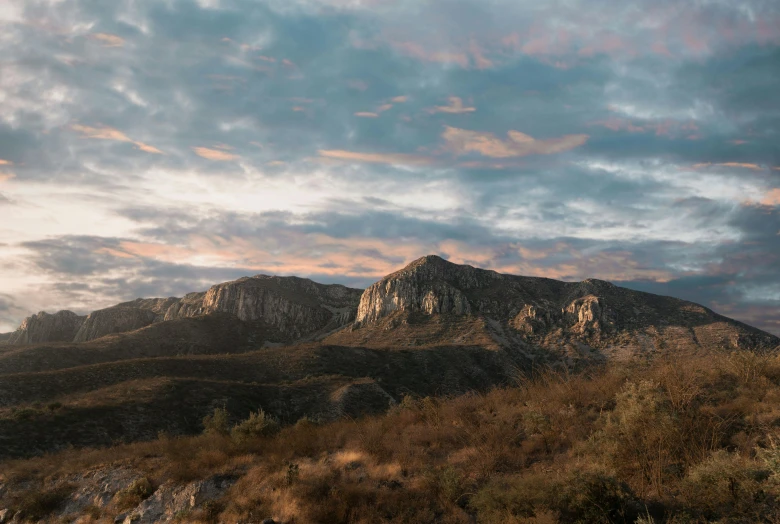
<point x="156" y="147"/>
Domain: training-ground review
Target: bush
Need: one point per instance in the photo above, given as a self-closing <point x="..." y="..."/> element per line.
<point x="725" y="485"/>
<point x="141" y="489"/>
<point x="595" y="497"/>
<point x="217" y="422"/>
<point x="36" y="505"/>
<point x="258" y="424"/>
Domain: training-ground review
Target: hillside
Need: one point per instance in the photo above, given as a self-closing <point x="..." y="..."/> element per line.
<point x="674" y="440"/>
<point x="297" y="348"/>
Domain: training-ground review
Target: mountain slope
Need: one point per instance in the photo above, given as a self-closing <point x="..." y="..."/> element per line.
<point x="545" y="314"/>
<point x="294" y="307"/>
<point x="297" y="348"/>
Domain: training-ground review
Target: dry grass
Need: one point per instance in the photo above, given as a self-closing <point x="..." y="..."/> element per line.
<point x="673" y="440"/>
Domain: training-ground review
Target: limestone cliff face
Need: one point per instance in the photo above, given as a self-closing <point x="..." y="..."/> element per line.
<point x="295" y="307"/>
<point x="546" y="312"/>
<point x="430" y="285"/>
<point x="44" y="327"/>
<point x="292" y="307"/>
<point x="117" y="319"/>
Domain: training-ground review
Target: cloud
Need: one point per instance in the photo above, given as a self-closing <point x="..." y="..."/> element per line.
<point x="366" y="114"/>
<point x="463" y="142"/>
<point x="743" y="165"/>
<point x="399" y="99"/>
<point x="771" y="198"/>
<point x="5" y="162"/>
<point x="214" y="154"/>
<point x="455" y="107"/>
<point x="108" y="133"/>
<point x="376" y="158"/>
<point x="108" y="40"/>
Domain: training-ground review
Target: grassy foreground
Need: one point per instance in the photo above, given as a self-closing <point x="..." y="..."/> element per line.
<point x="683" y="439"/>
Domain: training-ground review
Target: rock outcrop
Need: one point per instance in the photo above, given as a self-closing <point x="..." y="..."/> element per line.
<point x="117" y="319"/>
<point x="44" y="327"/>
<point x="541" y="312"/>
<point x="294" y="307"/>
<point x="291" y="307"/>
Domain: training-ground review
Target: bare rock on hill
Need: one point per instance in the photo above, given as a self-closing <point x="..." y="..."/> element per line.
<point x="191" y="305"/>
<point x="170" y="501"/>
<point x="295" y="307"/>
<point x="544" y="313"/>
<point x="44" y="327"/>
<point x="159" y="306"/>
<point x="117" y="319"/>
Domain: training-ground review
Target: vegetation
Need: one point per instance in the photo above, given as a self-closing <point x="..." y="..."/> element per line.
<point x="684" y="439"/>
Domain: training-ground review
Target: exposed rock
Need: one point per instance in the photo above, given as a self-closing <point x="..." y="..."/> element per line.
<point x="170" y="502"/>
<point x="191" y="305"/>
<point x="43" y="327"/>
<point x="295" y="307"/>
<point x="97" y="488"/>
<point x="551" y="314"/>
<point x="4" y="515"/>
<point x="159" y="306"/>
<point x="117" y="319"/>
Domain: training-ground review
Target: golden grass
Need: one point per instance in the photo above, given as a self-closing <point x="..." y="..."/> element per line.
<point x="690" y="439"/>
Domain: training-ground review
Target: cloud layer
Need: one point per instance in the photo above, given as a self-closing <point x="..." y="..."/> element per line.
<point x="154" y="148"/>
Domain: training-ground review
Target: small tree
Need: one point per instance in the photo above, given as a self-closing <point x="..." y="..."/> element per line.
<point x="217" y="422"/>
<point x="257" y="425"/>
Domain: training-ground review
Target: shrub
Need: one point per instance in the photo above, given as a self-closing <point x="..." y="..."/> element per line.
<point x="141" y="489"/>
<point x="36" y="505"/>
<point x="291" y="475"/>
<point x="217" y="422"/>
<point x="258" y="424"/>
<point x="725" y="485"/>
<point x="595" y="497"/>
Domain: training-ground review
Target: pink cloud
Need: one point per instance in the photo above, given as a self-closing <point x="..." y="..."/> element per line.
<point x="214" y="154"/>
<point x="376" y="158"/>
<point x="415" y="50"/>
<point x="771" y="198"/>
<point x="455" y="107"/>
<point x="108" y="40"/>
<point x="742" y="165"/>
<point x="463" y="141"/>
<point x="366" y="114"/>
<point x="109" y="133"/>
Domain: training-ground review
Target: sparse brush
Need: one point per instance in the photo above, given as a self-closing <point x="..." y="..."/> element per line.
<point x="259" y="424"/>
<point x="217" y="422"/>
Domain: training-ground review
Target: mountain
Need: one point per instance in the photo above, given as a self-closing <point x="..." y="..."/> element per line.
<point x="294" y="307"/>
<point x="538" y="316"/>
<point x="298" y="348"/>
<point x="43" y="327"/>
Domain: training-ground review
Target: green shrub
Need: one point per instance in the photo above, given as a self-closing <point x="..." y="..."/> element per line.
<point x="725" y="485"/>
<point x="258" y="424"/>
<point x="595" y="497"/>
<point x="506" y="500"/>
<point x="36" y="505"/>
<point x="141" y="489"/>
<point x="217" y="422"/>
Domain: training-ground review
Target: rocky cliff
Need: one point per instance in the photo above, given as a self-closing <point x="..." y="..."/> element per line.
<point x="295" y="307"/>
<point x="117" y="319"/>
<point x="291" y="307"/>
<point x="44" y="327"/>
<point x="546" y="313"/>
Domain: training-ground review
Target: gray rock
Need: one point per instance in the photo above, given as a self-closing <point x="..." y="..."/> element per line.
<point x="294" y="307"/>
<point x="43" y="327"/>
<point x="171" y="500"/>
<point x="116" y="319"/>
